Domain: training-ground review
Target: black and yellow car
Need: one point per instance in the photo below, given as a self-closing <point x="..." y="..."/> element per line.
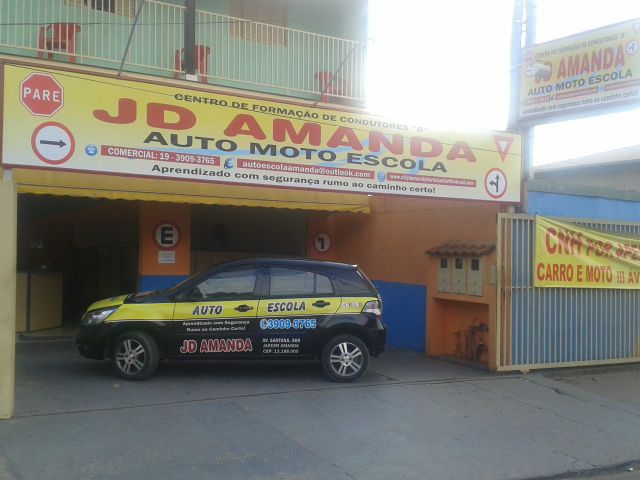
<point x="258" y="309"/>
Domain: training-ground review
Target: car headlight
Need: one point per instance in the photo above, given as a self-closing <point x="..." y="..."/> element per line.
<point x="95" y="317"/>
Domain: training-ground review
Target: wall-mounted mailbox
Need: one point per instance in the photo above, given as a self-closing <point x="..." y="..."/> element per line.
<point x="461" y="267"/>
<point x="444" y="274"/>
<point x="459" y="275"/>
<point x="474" y="276"/>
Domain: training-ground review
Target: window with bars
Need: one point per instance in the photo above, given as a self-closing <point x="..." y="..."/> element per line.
<point x="273" y="13"/>
<point x="126" y="8"/>
<point x="104" y="5"/>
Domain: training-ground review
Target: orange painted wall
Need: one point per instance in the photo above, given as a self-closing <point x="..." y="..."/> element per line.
<point x="320" y="223"/>
<point x="455" y="317"/>
<point x="390" y="244"/>
<point x="449" y="312"/>
<point x="153" y="214"/>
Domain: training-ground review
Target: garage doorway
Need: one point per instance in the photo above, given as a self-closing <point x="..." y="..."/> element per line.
<point x="222" y="233"/>
<point x="71" y="252"/>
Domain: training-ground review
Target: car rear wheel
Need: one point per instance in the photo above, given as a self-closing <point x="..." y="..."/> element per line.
<point x="135" y="356"/>
<point x="345" y="358"/>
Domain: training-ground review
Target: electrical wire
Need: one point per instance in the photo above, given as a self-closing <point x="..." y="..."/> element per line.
<point x="133" y="29"/>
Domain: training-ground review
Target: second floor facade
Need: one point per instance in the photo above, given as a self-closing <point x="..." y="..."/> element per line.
<point x="308" y="49"/>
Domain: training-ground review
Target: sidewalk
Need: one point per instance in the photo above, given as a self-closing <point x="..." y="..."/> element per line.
<point x="61" y="333"/>
<point x="409" y="418"/>
<point x="618" y="382"/>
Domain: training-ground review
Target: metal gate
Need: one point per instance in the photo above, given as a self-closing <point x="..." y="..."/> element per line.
<point x="559" y="327"/>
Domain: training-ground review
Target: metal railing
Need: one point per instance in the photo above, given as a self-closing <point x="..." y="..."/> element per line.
<point x="283" y="58"/>
<point x="559" y="327"/>
<point x="230" y="51"/>
<point x="73" y="31"/>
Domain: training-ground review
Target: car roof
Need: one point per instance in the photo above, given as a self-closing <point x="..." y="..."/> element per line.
<point x="289" y="262"/>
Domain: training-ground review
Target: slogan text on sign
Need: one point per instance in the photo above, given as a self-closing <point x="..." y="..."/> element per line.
<point x="572" y="256"/>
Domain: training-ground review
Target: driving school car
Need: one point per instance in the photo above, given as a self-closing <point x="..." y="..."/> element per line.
<point x="253" y="309"/>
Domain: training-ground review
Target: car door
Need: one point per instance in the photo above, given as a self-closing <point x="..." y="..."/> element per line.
<point x="216" y="318"/>
<point x="297" y="305"/>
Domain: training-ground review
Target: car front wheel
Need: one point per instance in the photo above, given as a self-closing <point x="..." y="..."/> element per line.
<point x="135" y="356"/>
<point x="345" y="358"/>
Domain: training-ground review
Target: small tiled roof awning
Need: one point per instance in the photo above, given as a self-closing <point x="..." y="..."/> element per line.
<point x="462" y="249"/>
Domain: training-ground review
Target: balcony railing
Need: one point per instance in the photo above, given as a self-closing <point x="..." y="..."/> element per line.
<point x="229" y="51"/>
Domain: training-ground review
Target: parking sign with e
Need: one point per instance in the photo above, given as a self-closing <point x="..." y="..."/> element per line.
<point x="167" y="235"/>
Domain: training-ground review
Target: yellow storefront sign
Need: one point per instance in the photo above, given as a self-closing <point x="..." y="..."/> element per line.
<point x="76" y="122"/>
<point x="571" y="256"/>
<point x="588" y="70"/>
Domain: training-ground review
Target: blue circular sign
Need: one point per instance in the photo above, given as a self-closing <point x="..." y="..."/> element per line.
<point x="91" y="150"/>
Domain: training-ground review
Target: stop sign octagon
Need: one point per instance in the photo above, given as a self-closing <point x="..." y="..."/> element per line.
<point x="41" y="94"/>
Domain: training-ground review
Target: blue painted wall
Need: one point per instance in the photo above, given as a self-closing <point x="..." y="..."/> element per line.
<point x="595" y="208"/>
<point x="404" y="312"/>
<point x="157" y="282"/>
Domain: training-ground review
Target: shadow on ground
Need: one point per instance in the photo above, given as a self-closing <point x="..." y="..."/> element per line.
<point x="51" y="377"/>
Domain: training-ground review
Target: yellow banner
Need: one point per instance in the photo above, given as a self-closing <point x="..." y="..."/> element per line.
<point x="589" y="70"/>
<point x="78" y="122"/>
<point x="567" y="255"/>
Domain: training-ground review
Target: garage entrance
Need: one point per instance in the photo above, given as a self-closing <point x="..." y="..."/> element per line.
<point x="74" y="238"/>
<point x="222" y="233"/>
<point x="73" y="251"/>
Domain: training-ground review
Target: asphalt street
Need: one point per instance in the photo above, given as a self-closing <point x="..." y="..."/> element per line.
<point x="409" y="418"/>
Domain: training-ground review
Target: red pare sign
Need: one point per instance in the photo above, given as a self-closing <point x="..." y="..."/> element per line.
<point x="41" y="94"/>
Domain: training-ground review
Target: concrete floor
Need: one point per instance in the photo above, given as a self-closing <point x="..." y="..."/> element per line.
<point x="408" y="418"/>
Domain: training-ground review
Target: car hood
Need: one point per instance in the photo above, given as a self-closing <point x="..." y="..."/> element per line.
<point x="108" y="302"/>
